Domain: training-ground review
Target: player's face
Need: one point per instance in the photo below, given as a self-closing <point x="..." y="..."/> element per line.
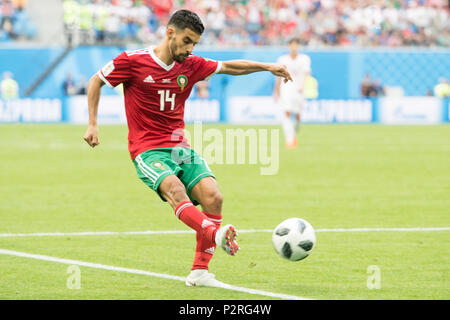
<point x="182" y="43"/>
<point x="293" y="47"/>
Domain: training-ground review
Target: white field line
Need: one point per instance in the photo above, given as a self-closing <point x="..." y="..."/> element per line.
<point x="142" y="272"/>
<point x="162" y="232"/>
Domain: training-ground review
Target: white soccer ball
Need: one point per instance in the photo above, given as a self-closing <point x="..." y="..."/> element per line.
<point x="294" y="239"/>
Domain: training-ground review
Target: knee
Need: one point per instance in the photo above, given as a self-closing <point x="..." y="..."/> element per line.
<point x="213" y="200"/>
<point x="175" y="193"/>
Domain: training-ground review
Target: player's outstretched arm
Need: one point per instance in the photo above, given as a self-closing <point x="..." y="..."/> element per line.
<point x="93" y="94"/>
<point x="240" y="67"/>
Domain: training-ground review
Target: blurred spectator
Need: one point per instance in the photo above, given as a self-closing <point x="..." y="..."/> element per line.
<point x="162" y="9"/>
<point x="202" y="89"/>
<point x="86" y="21"/>
<point x="69" y="86"/>
<point x="71" y="16"/>
<point x="371" y="89"/>
<point x="442" y="89"/>
<point x="376" y="89"/>
<point x="82" y="86"/>
<point x="7" y="12"/>
<point x="311" y="88"/>
<point x="20" y="4"/>
<point x="9" y="87"/>
<point x="366" y="86"/>
<point x="14" y="21"/>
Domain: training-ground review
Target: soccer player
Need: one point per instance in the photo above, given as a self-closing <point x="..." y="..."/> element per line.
<point x="157" y="81"/>
<point x="290" y="94"/>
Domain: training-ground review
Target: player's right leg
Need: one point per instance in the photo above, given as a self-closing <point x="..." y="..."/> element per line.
<point x="206" y="192"/>
<point x="159" y="172"/>
<point x="174" y="192"/>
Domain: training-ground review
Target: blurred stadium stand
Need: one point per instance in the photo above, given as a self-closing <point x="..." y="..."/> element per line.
<point x="404" y="44"/>
<point x="233" y="23"/>
<point x="268" y="22"/>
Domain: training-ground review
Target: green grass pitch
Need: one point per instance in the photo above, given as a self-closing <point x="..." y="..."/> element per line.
<point x="355" y="176"/>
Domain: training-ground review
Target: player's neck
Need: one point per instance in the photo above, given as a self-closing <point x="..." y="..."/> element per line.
<point x="293" y="55"/>
<point x="162" y="51"/>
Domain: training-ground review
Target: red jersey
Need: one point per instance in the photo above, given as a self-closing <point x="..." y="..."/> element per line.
<point x="155" y="94"/>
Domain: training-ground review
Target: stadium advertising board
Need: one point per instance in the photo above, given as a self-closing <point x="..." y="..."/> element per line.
<point x="263" y="110"/>
<point x="111" y="110"/>
<point x="253" y="110"/>
<point x="203" y="110"/>
<point x="410" y="110"/>
<point x="30" y="110"/>
<point x="337" y="111"/>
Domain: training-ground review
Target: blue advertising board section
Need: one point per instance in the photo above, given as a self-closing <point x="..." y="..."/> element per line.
<point x="244" y="99"/>
<point x="446" y="110"/>
<point x="31" y="111"/>
<point x="26" y="65"/>
<point x="339" y="72"/>
<point x="245" y="110"/>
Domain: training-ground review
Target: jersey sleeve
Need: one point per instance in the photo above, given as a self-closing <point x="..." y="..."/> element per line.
<point x="206" y="68"/>
<point x="116" y="71"/>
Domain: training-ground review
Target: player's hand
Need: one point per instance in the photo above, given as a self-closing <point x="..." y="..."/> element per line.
<point x="280" y="70"/>
<point x="91" y="136"/>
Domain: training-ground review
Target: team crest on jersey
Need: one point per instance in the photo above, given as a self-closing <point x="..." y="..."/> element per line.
<point x="158" y="165"/>
<point x="182" y="81"/>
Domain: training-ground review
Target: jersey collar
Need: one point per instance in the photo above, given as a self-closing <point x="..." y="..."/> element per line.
<point x="158" y="61"/>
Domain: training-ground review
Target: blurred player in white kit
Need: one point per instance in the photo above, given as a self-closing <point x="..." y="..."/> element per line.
<point x="290" y="95"/>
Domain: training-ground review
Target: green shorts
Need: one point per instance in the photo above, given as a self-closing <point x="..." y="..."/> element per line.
<point x="152" y="166"/>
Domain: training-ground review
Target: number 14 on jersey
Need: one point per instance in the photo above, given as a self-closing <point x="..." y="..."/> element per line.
<point x="164" y="96"/>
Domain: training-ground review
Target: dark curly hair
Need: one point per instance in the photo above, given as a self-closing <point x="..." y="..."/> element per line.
<point x="182" y="19"/>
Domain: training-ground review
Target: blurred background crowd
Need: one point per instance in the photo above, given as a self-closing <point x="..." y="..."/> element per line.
<point x="14" y="21"/>
<point x="389" y="23"/>
<point x="269" y="22"/>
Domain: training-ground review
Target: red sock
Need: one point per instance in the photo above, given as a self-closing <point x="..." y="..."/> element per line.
<point x="205" y="248"/>
<point x="195" y="219"/>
